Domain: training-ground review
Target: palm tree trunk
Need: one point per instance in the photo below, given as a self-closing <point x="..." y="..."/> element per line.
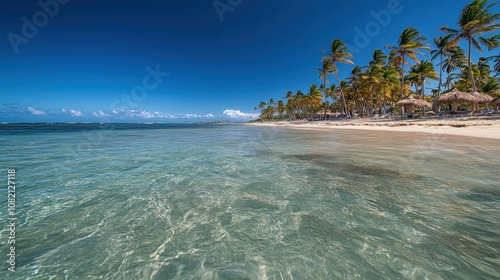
<point x="448" y="80"/>
<point x="402" y="82"/>
<point x="324" y="91"/>
<point x="402" y="77"/>
<point x="474" y="89"/>
<point x="470" y="68"/>
<point x="342" y="93"/>
<point x="440" y="74"/>
<point x="422" y="82"/>
<point x="385" y="104"/>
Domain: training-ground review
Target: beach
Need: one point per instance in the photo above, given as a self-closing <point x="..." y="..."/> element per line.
<point x="480" y="126"/>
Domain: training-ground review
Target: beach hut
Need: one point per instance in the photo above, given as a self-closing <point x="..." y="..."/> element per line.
<point x="496" y="102"/>
<point x="456" y="97"/>
<point x="413" y="102"/>
<point x="482" y="97"/>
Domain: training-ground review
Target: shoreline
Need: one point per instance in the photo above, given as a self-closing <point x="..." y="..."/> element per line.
<point x="478" y="127"/>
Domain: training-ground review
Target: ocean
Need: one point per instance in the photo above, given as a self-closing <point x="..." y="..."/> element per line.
<point x="236" y="201"/>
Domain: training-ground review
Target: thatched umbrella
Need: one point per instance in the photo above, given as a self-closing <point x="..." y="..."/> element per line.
<point x="455" y="97"/>
<point x="410" y="102"/>
<point x="482" y="97"/>
<point x="321" y="113"/>
<point x="495" y="102"/>
<point x="413" y="102"/>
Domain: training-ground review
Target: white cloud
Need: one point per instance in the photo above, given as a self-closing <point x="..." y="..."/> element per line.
<point x="146" y="114"/>
<point x="237" y="114"/>
<point x="36" y="112"/>
<point x="198" y="116"/>
<point x="102" y="114"/>
<point x="76" y="113"/>
<point x="125" y="114"/>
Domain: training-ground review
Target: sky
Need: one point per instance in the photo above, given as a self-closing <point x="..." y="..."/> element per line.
<point x="185" y="61"/>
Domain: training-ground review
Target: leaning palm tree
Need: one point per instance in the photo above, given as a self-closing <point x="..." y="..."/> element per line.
<point x="475" y="20"/>
<point x="441" y="50"/>
<point x="339" y="53"/>
<point x="409" y="45"/>
<point x="323" y="74"/>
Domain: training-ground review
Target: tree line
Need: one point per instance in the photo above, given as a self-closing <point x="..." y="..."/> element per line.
<point x="400" y="73"/>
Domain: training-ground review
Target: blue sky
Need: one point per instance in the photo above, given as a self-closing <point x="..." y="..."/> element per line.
<point x="184" y="61"/>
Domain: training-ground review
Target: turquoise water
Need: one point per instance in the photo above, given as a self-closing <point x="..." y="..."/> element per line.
<point x="250" y="202"/>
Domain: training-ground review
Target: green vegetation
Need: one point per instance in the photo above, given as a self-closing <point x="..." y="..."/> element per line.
<point x="387" y="79"/>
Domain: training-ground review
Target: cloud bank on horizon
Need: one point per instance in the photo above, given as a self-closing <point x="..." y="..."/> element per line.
<point x="23" y="113"/>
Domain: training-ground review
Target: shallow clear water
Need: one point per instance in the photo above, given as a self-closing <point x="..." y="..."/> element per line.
<point x="248" y="202"/>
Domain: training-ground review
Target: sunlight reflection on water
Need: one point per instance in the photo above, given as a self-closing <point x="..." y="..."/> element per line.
<point x="244" y="202"/>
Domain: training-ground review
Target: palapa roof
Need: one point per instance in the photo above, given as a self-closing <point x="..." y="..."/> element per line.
<point x="484" y="98"/>
<point x="456" y="96"/>
<point x="495" y="101"/>
<point x="413" y="102"/>
<point x="322" y="112"/>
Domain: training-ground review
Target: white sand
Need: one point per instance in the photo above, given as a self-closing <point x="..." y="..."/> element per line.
<point x="483" y="127"/>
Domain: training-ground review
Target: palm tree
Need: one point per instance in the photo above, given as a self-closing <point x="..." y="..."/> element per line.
<point x="324" y="71"/>
<point x="484" y="70"/>
<point x="313" y="100"/>
<point x="475" y="20"/>
<point x="372" y="76"/>
<point x="262" y="104"/>
<point x="379" y="58"/>
<point x="491" y="87"/>
<point x="339" y="53"/>
<point x="455" y="58"/>
<point x="355" y="81"/>
<point x="409" y="45"/>
<point x="290" y="106"/>
<point x="422" y="71"/>
<point x="496" y="60"/>
<point x="300" y="105"/>
<point x="280" y="109"/>
<point x="330" y="93"/>
<point x="388" y="82"/>
<point x="441" y="50"/>
<point x="263" y="114"/>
